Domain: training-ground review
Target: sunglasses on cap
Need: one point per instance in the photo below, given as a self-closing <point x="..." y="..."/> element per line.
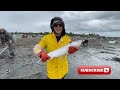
<point x="56" y="25"/>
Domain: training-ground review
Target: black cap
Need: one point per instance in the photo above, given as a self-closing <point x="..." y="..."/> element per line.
<point x="57" y="19"/>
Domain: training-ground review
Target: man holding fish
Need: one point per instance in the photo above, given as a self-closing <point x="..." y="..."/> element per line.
<point x="57" y="67"/>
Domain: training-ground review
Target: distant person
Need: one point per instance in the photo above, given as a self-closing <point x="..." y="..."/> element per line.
<point x="57" y="68"/>
<point x="33" y="35"/>
<point x="85" y="42"/>
<point x="6" y="38"/>
<point x="24" y="36"/>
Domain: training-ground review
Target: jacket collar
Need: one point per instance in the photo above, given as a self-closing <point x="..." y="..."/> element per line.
<point x="53" y="35"/>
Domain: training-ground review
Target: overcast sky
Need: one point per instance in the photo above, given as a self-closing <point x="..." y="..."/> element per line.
<point x="105" y="23"/>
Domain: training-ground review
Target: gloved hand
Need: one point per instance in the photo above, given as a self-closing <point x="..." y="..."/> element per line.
<point x="43" y="55"/>
<point x="72" y="49"/>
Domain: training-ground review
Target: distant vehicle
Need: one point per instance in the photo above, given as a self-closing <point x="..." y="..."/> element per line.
<point x="112" y="42"/>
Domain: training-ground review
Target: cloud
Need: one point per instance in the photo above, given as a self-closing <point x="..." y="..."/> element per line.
<point x="93" y="21"/>
<point x="75" y="21"/>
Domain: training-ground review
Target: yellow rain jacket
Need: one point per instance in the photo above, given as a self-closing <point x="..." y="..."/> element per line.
<point x="57" y="67"/>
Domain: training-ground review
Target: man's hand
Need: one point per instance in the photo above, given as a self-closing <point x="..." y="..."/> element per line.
<point x="72" y="49"/>
<point x="44" y="57"/>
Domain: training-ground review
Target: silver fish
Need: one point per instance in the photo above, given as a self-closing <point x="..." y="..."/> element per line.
<point x="63" y="50"/>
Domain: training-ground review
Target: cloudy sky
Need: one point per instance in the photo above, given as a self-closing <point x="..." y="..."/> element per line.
<point x="105" y="23"/>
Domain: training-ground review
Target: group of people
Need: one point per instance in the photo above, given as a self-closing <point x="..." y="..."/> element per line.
<point x="56" y="68"/>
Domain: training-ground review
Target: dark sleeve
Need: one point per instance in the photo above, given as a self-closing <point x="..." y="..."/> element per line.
<point x="2" y="38"/>
<point x="9" y="37"/>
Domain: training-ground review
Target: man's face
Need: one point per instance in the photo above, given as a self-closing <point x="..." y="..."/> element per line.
<point x="58" y="27"/>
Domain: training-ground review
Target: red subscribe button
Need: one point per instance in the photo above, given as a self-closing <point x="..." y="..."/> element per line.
<point x="94" y="70"/>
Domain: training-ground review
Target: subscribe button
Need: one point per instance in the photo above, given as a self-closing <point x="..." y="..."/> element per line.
<point x="94" y="70"/>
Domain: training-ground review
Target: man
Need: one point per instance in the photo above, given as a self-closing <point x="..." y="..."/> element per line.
<point x="57" y="68"/>
<point x="85" y="42"/>
<point x="6" y="38"/>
